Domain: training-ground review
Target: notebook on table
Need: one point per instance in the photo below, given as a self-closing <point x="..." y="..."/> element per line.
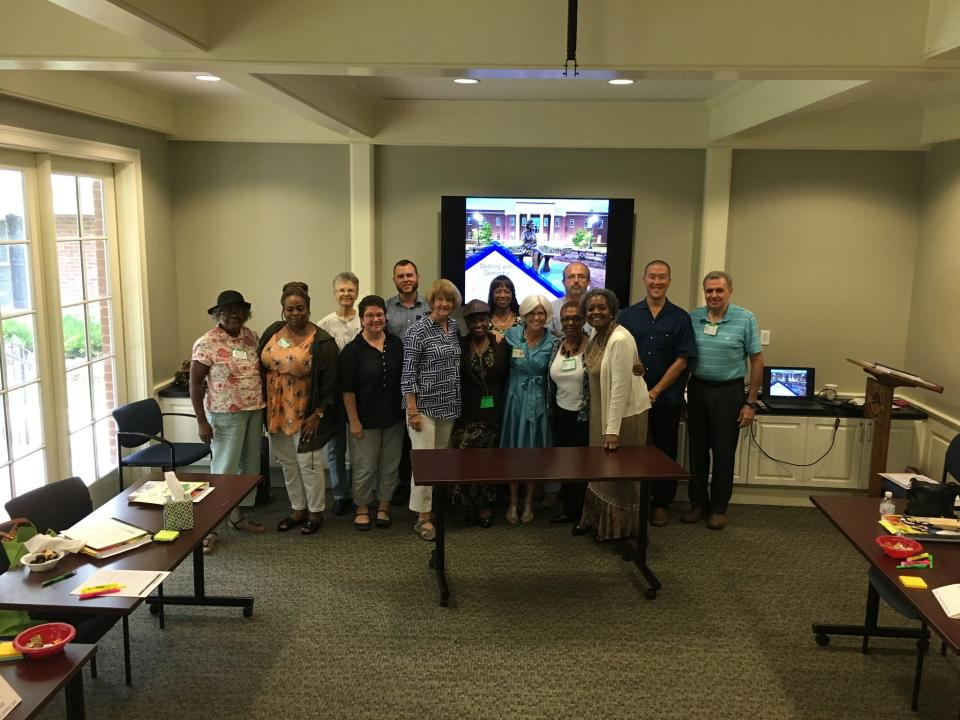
<point x="789" y="388"/>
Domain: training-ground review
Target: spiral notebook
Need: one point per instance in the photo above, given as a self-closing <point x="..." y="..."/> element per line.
<point x="922" y="529"/>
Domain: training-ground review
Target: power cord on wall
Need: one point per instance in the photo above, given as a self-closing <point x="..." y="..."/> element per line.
<point x="833" y="440"/>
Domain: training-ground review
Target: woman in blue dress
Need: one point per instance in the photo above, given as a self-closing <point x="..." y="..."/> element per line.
<point x="525" y="422"/>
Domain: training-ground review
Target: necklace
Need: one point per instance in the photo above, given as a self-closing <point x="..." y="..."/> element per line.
<point x="537" y="341"/>
<point x="596" y="345"/>
<point x="568" y="352"/>
<point x="503" y="324"/>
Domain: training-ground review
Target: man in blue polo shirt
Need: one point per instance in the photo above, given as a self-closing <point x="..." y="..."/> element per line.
<point x="665" y="341"/>
<point x="727" y="337"/>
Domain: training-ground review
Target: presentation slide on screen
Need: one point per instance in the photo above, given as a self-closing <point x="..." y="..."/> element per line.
<point x="531" y="240"/>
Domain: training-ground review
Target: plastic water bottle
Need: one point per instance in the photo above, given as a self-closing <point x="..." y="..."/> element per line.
<point x="886" y="505"/>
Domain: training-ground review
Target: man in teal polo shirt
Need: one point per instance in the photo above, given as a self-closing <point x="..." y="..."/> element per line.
<point x="727" y="337"/>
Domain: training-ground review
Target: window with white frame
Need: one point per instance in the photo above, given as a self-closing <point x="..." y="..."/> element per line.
<point x="62" y="362"/>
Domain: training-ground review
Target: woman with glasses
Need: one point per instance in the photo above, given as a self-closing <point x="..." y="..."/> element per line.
<point x="228" y="401"/>
<point x="370" y="369"/>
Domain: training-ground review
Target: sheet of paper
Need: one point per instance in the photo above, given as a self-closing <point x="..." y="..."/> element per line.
<point x="134" y="583"/>
<point x="949" y="598"/>
<point x="120" y="549"/>
<point x="903" y="479"/>
<point x="8" y="698"/>
<point x="98" y="533"/>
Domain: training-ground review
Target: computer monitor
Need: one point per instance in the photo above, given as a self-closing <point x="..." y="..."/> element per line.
<point x="788" y="382"/>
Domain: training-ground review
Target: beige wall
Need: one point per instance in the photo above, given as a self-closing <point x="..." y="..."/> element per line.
<point x="667" y="188"/>
<point x="250" y="217"/>
<point x="933" y="343"/>
<point x="160" y="258"/>
<point x="821" y="246"/>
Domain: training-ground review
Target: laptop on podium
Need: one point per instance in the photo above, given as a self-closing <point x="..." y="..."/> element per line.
<point x="789" y="388"/>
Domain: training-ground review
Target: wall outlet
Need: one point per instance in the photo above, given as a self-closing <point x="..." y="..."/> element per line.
<point x="764" y="337"/>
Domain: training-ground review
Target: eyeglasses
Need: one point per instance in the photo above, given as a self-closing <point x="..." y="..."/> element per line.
<point x="374" y="316"/>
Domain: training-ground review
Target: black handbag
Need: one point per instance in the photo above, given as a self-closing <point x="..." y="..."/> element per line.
<point x="931" y="499"/>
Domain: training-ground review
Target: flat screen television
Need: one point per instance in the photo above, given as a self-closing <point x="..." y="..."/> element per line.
<point x="531" y="240"/>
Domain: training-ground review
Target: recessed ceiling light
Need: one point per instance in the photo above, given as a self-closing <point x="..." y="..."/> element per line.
<point x="466" y="81"/>
<point x="621" y="81"/>
<point x="206" y="77"/>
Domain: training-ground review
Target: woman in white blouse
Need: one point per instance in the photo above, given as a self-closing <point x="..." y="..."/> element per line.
<point x="618" y="415"/>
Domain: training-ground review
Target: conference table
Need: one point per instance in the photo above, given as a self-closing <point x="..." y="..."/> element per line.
<point x="20" y="590"/>
<point x="856" y="518"/>
<point x="444" y="468"/>
<point x="37" y="681"/>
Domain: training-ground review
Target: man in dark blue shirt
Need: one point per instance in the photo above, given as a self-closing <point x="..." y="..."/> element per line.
<point x="664" y="336"/>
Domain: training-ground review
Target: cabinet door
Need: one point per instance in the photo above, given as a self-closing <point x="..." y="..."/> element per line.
<point x="783" y="438"/>
<point x="841" y="466"/>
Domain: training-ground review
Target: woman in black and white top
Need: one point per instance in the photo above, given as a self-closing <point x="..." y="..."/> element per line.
<point x="570" y="401"/>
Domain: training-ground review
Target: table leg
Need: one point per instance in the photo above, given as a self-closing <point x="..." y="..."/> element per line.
<point x="438" y="555"/>
<point x="640" y="558"/>
<point x="74" y="697"/>
<point x="199" y="597"/>
<point x="125" y="622"/>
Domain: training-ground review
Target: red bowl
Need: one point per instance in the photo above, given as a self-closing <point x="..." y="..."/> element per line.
<point x="899" y="547"/>
<point x="55" y="637"/>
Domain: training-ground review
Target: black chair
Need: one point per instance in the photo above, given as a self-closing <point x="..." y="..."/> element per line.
<point x="951" y="461"/>
<point x="141" y="422"/>
<point x="57" y="506"/>
<point x="880" y="587"/>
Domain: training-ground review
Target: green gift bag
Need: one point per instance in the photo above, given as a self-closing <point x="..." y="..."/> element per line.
<point x="13" y="536"/>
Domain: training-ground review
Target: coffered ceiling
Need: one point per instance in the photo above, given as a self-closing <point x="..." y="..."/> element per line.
<point x="745" y="73"/>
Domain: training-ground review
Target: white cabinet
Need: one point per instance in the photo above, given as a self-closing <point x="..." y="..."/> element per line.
<point x="181" y="429"/>
<point x="782" y="438"/>
<point x="840" y="468"/>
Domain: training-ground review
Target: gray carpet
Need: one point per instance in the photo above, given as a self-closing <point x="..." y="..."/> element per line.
<point x="541" y="625"/>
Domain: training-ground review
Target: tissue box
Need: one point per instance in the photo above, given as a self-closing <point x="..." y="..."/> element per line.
<point x="178" y="515"/>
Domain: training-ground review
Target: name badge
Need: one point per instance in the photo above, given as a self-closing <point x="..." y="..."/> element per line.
<point x="239" y="354"/>
<point x="710" y="329"/>
<point x="486" y="402"/>
<point x="518" y="353"/>
<point x="568" y="364"/>
<point x="283" y="342"/>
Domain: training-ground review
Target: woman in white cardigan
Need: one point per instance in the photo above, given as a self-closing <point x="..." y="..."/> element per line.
<point x="618" y="415"/>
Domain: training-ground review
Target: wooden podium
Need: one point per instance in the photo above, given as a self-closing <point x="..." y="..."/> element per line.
<point x="878" y="407"/>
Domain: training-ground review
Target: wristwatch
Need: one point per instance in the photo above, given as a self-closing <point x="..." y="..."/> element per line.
<point x="751" y="405"/>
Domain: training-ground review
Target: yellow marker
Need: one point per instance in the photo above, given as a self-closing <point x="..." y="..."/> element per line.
<point x="98" y="588"/>
<point x="921" y="556"/>
<point x="913" y="582"/>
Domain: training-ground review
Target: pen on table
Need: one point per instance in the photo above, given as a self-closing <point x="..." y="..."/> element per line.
<point x="51" y="581"/>
<point x="135" y="527"/>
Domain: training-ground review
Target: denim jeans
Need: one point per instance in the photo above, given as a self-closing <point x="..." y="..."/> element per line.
<point x="236" y="445"/>
<point x="336" y="451"/>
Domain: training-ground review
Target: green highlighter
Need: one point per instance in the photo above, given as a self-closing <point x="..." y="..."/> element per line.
<point x="166" y="535"/>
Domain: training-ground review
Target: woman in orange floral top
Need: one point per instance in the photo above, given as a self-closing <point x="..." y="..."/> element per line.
<point x="298" y="362"/>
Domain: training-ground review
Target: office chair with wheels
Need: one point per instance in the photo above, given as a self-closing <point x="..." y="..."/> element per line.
<point x="57" y="506"/>
<point x="881" y="587"/>
<point x="142" y="421"/>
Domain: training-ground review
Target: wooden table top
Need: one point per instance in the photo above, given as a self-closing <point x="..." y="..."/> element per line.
<point x="856" y="518"/>
<point x="20" y="589"/>
<point x="37" y="681"/>
<point x="566" y="464"/>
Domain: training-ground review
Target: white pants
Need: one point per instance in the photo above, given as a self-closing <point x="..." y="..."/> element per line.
<point x="434" y="434"/>
<point x="302" y="473"/>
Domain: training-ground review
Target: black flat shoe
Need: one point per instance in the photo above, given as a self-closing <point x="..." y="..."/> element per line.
<point x="578" y="530"/>
<point x="342" y="506"/>
<point x="362" y="527"/>
<point x="311" y="526"/>
<point x="486" y="522"/>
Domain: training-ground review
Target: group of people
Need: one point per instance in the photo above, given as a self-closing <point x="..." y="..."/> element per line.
<point x="390" y="375"/>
